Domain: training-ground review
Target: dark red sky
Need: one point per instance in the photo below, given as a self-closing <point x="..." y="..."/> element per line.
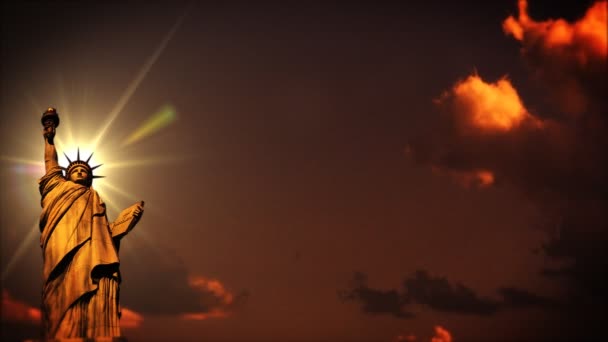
<point x="285" y="176"/>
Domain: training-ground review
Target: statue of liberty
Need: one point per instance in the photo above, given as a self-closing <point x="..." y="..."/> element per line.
<point x="79" y="247"/>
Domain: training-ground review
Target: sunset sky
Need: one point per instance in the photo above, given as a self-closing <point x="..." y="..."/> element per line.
<point x="322" y="171"/>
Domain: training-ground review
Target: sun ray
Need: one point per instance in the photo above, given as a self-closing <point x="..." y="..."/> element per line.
<point x="110" y="202"/>
<point x="136" y="81"/>
<point x="59" y="143"/>
<point x="22" y="161"/>
<point x="65" y="111"/>
<point x="21" y="250"/>
<point x="85" y="95"/>
<point x="165" y="116"/>
<point x="119" y="191"/>
<point x="145" y="162"/>
<point x="113" y="204"/>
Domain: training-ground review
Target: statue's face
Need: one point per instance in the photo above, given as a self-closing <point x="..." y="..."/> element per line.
<point x="79" y="175"/>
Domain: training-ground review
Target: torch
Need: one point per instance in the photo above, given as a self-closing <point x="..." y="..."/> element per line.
<point x="50" y="121"/>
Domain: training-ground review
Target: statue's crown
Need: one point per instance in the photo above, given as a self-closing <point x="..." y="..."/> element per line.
<point x="84" y="163"/>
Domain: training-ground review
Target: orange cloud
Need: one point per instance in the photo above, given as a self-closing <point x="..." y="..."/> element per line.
<point x="487" y="134"/>
<point x="199" y="316"/>
<point x="588" y="36"/>
<point x="494" y="107"/>
<point x="211" y="285"/>
<point x="16" y="311"/>
<point x="405" y="338"/>
<point x="215" y="295"/>
<point x="441" y="335"/>
<point x="569" y="58"/>
<point x="484" y="133"/>
<point x="130" y="319"/>
<point x="480" y="178"/>
<point x="477" y="178"/>
<point x="19" y="312"/>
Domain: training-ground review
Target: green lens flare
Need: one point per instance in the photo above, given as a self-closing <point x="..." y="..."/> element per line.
<point x="165" y="116"/>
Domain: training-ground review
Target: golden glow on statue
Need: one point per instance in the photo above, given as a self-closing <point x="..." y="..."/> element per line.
<point x="80" y="247"/>
<point x="88" y="141"/>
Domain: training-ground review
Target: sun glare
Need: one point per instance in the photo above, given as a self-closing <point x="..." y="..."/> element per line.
<point x="70" y="146"/>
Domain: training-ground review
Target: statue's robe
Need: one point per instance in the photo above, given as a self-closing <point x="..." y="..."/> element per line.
<point x="81" y="266"/>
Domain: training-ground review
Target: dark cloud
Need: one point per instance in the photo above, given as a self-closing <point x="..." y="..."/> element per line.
<point x="163" y="285"/>
<point x="518" y="298"/>
<point x="438" y="294"/>
<point x="375" y="301"/>
<point x="158" y="286"/>
<point x="582" y="262"/>
<point x="19" y="332"/>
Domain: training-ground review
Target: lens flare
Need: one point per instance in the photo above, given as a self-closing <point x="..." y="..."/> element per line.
<point x="136" y="81"/>
<point x="22" y="161"/>
<point x="165" y="116"/>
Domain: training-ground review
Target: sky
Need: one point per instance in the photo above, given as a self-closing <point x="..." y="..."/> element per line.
<point x="322" y="171"/>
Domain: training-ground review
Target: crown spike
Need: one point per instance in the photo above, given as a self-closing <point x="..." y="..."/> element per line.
<point x="78" y="153"/>
<point x="94" y="167"/>
<point x="66" y="157"/>
<point x="89" y="158"/>
<point x="98" y="177"/>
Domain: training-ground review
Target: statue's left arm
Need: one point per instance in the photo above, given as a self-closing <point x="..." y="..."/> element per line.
<point x="127" y="220"/>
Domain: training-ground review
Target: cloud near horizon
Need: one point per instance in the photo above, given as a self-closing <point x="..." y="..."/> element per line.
<point x="130" y="319"/>
<point x="214" y="296"/>
<point x="438" y="294"/>
<point x="175" y="291"/>
<point x="16" y="311"/>
<point x="441" y="335"/>
<point x="375" y="301"/>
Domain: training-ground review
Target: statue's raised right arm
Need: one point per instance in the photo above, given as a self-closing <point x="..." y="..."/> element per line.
<point x="50" y="153"/>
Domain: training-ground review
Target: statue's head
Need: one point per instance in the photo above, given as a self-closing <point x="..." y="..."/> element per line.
<point x="80" y="172"/>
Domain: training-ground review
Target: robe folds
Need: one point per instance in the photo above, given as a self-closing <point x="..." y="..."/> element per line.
<point x="81" y="265"/>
